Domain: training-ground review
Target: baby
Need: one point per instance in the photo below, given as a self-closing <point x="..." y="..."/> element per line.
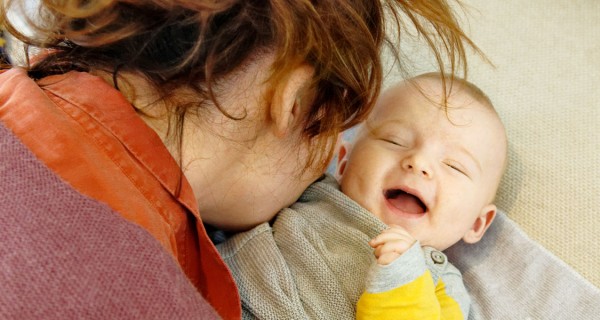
<point x="429" y="173"/>
<point x="420" y="176"/>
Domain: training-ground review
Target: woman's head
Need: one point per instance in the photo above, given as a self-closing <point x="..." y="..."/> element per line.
<point x="201" y="48"/>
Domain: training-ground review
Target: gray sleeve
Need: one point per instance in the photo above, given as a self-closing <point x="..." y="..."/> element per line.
<point x="441" y="268"/>
<point x="408" y="267"/>
<point x="412" y="264"/>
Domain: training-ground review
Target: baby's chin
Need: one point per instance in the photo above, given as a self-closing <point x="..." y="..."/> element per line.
<point x="438" y="245"/>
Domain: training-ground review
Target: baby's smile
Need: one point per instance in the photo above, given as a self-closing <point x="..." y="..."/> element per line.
<point x="405" y="202"/>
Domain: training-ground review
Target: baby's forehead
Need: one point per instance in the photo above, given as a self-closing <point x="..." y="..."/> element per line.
<point x="426" y="99"/>
<point x="431" y="84"/>
<point x="421" y="105"/>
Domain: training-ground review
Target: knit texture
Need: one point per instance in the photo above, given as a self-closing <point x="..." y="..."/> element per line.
<point x="65" y="256"/>
<point x="311" y="264"/>
<point x="510" y="276"/>
<point x="315" y="261"/>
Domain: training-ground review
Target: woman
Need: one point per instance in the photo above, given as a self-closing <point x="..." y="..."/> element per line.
<point x="182" y="113"/>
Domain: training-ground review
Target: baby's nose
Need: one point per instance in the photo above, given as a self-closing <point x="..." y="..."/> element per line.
<point x="418" y="166"/>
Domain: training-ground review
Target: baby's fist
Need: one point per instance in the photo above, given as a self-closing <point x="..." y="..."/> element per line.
<point x="391" y="244"/>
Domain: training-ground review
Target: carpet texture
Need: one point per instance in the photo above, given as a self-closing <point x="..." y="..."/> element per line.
<point x="544" y="84"/>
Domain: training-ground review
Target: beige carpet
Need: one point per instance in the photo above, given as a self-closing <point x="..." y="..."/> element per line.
<point x="546" y="87"/>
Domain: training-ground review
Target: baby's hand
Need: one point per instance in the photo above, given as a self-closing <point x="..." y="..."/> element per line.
<point x="391" y="243"/>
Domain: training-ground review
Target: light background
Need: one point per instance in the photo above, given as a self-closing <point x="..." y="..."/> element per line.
<point x="546" y="88"/>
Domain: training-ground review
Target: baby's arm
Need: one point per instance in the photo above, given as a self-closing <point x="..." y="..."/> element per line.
<point x="401" y="285"/>
<point x="449" y="286"/>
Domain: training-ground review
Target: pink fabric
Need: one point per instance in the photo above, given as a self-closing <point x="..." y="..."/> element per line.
<point x="91" y="137"/>
<point x="64" y="255"/>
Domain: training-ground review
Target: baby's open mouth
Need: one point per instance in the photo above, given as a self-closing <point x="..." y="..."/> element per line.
<point x="405" y="202"/>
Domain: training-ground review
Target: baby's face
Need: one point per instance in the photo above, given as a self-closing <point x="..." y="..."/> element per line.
<point x="411" y="166"/>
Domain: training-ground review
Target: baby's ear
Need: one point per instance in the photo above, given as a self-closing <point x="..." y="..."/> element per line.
<point x="342" y="156"/>
<point x="480" y="226"/>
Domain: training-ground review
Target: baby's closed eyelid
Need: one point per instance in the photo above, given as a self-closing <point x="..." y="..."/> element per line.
<point x="394" y="133"/>
<point x="456" y="166"/>
<point x="394" y="141"/>
<point x="399" y="139"/>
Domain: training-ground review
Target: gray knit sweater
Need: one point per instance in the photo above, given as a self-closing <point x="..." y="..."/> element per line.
<point x="313" y="262"/>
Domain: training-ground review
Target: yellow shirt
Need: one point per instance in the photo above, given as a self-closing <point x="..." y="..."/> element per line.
<point x="414" y="287"/>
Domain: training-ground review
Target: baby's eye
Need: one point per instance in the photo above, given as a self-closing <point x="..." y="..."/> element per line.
<point x="394" y="142"/>
<point x="457" y="168"/>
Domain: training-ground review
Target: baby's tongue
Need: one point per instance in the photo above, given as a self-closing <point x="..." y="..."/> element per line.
<point x="407" y="203"/>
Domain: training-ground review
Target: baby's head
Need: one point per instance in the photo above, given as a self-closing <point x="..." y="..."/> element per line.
<point x="431" y="170"/>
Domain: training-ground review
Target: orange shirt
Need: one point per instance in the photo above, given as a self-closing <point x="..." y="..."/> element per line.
<point x="90" y="135"/>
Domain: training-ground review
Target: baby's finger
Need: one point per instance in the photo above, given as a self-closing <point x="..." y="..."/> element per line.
<point x="390" y="235"/>
<point x="387" y="258"/>
<point x="395" y="246"/>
